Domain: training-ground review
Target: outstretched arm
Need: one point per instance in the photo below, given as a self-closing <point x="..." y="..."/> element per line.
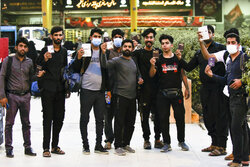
<point x="184" y="79"/>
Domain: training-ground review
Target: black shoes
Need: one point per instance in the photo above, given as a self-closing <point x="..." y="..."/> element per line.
<point x="100" y="150"/>
<point x="9" y="153"/>
<point x="29" y="151"/>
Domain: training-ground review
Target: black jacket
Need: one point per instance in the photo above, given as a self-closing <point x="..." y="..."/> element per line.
<point x="52" y="79"/>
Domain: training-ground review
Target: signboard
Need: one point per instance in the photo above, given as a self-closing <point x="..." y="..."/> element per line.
<point x="209" y="8"/>
<point x="124" y="4"/>
<point x="4" y="48"/>
<point x="143" y="21"/>
<point x="21" y="5"/>
<point x="35" y="5"/>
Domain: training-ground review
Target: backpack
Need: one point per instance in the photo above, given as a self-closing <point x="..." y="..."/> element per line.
<point x="35" y="91"/>
<point x="72" y="80"/>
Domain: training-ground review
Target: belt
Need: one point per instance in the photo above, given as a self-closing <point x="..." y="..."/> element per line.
<point x="170" y="89"/>
<point x="19" y="93"/>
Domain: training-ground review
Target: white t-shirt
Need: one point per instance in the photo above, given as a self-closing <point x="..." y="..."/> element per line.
<point x="220" y="56"/>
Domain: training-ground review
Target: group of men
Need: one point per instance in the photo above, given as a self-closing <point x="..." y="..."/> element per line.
<point x="151" y="75"/>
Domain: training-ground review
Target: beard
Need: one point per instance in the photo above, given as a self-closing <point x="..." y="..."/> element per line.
<point x="126" y="53"/>
<point x="149" y="44"/>
<point x="21" y="53"/>
<point x="57" y="41"/>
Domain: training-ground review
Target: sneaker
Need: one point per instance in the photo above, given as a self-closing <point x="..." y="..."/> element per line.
<point x="86" y="151"/>
<point x="119" y="151"/>
<point x="166" y="148"/>
<point x="101" y="150"/>
<point x="147" y="145"/>
<point x="128" y="149"/>
<point x="184" y="146"/>
<point x="158" y="144"/>
<point x="107" y="146"/>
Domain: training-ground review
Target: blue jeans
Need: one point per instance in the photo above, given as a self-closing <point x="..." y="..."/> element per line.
<point x="1" y="124"/>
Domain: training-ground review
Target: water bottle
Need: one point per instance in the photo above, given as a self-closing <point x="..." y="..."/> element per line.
<point x="108" y="100"/>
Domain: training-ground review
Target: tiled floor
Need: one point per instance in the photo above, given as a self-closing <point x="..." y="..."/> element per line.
<point x="70" y="142"/>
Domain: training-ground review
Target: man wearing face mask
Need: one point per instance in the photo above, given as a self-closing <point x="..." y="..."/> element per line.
<point x="237" y="96"/>
<point x="126" y="77"/>
<point x="234" y="59"/>
<point x="92" y="93"/>
<point x="214" y="102"/>
<point x="147" y="97"/>
<point x="117" y="38"/>
<point x="53" y="91"/>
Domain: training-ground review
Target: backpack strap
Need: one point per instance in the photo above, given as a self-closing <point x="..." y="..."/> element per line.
<point x="242" y="62"/>
<point x="225" y="56"/>
<point x="8" y="70"/>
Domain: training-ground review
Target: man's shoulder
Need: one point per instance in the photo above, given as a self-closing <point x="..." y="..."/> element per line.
<point x="219" y="46"/>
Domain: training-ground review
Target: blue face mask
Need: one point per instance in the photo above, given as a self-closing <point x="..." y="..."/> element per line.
<point x="118" y="42"/>
<point x="96" y="41"/>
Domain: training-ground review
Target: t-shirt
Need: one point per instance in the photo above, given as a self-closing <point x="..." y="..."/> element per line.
<point x="92" y="78"/>
<point x="220" y="56"/>
<point x="169" y="72"/>
<point x="125" y="76"/>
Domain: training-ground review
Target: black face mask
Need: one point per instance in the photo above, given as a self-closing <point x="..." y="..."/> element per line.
<point x="126" y="53"/>
<point x="208" y="41"/>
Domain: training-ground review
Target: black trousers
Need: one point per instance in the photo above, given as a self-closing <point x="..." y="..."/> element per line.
<point x="147" y="103"/>
<point x="239" y="128"/>
<point x="89" y="99"/>
<point x="163" y="108"/>
<point x="108" y="124"/>
<point x="53" y="104"/>
<point x="215" y="106"/>
<point x="125" y="114"/>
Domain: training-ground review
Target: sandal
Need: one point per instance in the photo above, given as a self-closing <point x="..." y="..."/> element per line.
<point x="244" y="163"/>
<point x="229" y="157"/>
<point x="209" y="149"/>
<point x="218" y="151"/>
<point x="57" y="150"/>
<point x="46" y="153"/>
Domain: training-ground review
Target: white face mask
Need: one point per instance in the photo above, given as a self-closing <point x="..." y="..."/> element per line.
<point x="118" y="42"/>
<point x="96" y="41"/>
<point x="232" y="49"/>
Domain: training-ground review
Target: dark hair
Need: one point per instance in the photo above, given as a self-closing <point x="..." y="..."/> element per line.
<point x="117" y="31"/>
<point x="56" y="29"/>
<point x="147" y="31"/>
<point x="164" y="36"/>
<point x="232" y="33"/>
<point x="98" y="30"/>
<point x="22" y="40"/>
<point x="128" y="41"/>
<point x="211" y="28"/>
